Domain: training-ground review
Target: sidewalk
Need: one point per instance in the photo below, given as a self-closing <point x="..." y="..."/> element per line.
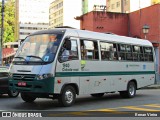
<point x="155" y="86"/>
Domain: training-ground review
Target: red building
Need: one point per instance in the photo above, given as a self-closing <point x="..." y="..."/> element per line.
<point x="125" y="24"/>
<point x="130" y="24"/>
<point x="101" y="21"/>
<point x="149" y="16"/>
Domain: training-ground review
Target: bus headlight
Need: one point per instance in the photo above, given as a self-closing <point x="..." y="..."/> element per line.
<point x="44" y="76"/>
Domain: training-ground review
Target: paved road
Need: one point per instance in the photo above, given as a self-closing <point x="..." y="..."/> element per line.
<point x="146" y="100"/>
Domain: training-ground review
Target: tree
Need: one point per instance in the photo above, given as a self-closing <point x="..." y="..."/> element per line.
<point x="9" y="21"/>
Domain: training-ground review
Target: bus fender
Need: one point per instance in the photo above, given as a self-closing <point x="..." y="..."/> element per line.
<point x="71" y="84"/>
<point x="133" y="80"/>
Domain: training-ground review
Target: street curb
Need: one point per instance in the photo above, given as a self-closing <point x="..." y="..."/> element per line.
<point x="156" y="86"/>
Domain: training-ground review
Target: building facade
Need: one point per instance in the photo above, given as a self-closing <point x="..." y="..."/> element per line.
<point x="90" y="5"/>
<point x="155" y="2"/>
<point x="126" y="6"/>
<point x="106" y="22"/>
<point x="31" y="15"/>
<point x="63" y="13"/>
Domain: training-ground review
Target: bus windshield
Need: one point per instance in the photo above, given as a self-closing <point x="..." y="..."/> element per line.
<point x="38" y="48"/>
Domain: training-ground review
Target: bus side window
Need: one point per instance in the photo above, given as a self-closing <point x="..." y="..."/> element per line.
<point x="108" y="51"/>
<point x="74" y="50"/>
<point x="129" y="55"/>
<point x="141" y="54"/>
<point x="122" y="51"/>
<point x="136" y="51"/>
<point x="148" y="53"/>
<point x="89" y="50"/>
<point x="115" y="52"/>
<point x="70" y="52"/>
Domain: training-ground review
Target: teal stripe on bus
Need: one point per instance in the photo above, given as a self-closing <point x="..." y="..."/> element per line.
<point x="69" y="74"/>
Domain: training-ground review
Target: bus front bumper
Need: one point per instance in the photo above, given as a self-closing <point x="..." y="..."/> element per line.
<point x="34" y="86"/>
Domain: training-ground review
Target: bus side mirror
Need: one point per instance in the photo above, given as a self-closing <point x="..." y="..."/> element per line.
<point x="68" y="44"/>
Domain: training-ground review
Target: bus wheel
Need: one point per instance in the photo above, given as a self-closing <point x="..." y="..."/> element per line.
<point x="67" y="97"/>
<point x="27" y="98"/>
<point x="130" y="92"/>
<point x="97" y="95"/>
<point x="13" y="93"/>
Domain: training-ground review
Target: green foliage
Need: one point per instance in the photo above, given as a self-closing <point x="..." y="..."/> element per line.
<point x="9" y="21"/>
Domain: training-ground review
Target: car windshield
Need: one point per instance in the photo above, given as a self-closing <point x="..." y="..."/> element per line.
<point x="38" y="48"/>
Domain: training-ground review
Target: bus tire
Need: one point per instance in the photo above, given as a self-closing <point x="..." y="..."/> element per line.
<point x="97" y="95"/>
<point x="27" y="98"/>
<point x="13" y="94"/>
<point x="130" y="92"/>
<point x="67" y="97"/>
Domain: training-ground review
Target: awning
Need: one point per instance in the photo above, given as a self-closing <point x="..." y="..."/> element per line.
<point x="7" y="52"/>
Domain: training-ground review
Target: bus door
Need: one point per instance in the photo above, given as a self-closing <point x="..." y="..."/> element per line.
<point x="68" y="66"/>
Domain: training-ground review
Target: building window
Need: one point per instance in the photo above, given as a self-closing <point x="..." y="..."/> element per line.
<point x="118" y="4"/>
<point x="125" y="2"/>
<point x="57" y="6"/>
<point x="112" y="6"/>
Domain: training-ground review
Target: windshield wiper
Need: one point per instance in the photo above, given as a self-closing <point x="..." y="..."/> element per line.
<point x="36" y="57"/>
<point x="21" y="58"/>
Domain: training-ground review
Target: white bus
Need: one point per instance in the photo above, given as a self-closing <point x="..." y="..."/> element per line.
<point x="62" y="63"/>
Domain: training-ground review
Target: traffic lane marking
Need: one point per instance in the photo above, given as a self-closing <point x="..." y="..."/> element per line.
<point x="139" y="108"/>
<point x="153" y="105"/>
<point x="135" y="108"/>
<point x="78" y="113"/>
<point x="112" y="111"/>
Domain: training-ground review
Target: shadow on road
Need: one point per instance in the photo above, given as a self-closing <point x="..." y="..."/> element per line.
<point x="109" y="98"/>
<point x="37" y="105"/>
<point x="49" y="104"/>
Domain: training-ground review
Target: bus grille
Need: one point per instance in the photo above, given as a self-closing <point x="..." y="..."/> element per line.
<point x="24" y="77"/>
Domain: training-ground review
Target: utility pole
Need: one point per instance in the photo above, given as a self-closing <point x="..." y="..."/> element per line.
<point x="2" y="31"/>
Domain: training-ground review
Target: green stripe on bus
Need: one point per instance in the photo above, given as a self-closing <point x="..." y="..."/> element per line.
<point x="67" y="74"/>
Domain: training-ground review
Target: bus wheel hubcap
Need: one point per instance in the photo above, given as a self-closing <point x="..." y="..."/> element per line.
<point x="68" y="96"/>
<point x="131" y="90"/>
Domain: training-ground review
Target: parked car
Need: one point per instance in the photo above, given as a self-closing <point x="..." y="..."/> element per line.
<point x="4" y="88"/>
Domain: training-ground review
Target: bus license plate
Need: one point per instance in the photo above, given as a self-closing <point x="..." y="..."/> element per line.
<point x="22" y="83"/>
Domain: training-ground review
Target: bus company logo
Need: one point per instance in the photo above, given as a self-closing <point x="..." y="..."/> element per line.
<point x="22" y="76"/>
<point x="6" y="114"/>
<point x="83" y="64"/>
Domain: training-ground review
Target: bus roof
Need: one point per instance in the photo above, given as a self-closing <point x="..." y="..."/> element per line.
<point x="96" y="35"/>
<point x="112" y="38"/>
